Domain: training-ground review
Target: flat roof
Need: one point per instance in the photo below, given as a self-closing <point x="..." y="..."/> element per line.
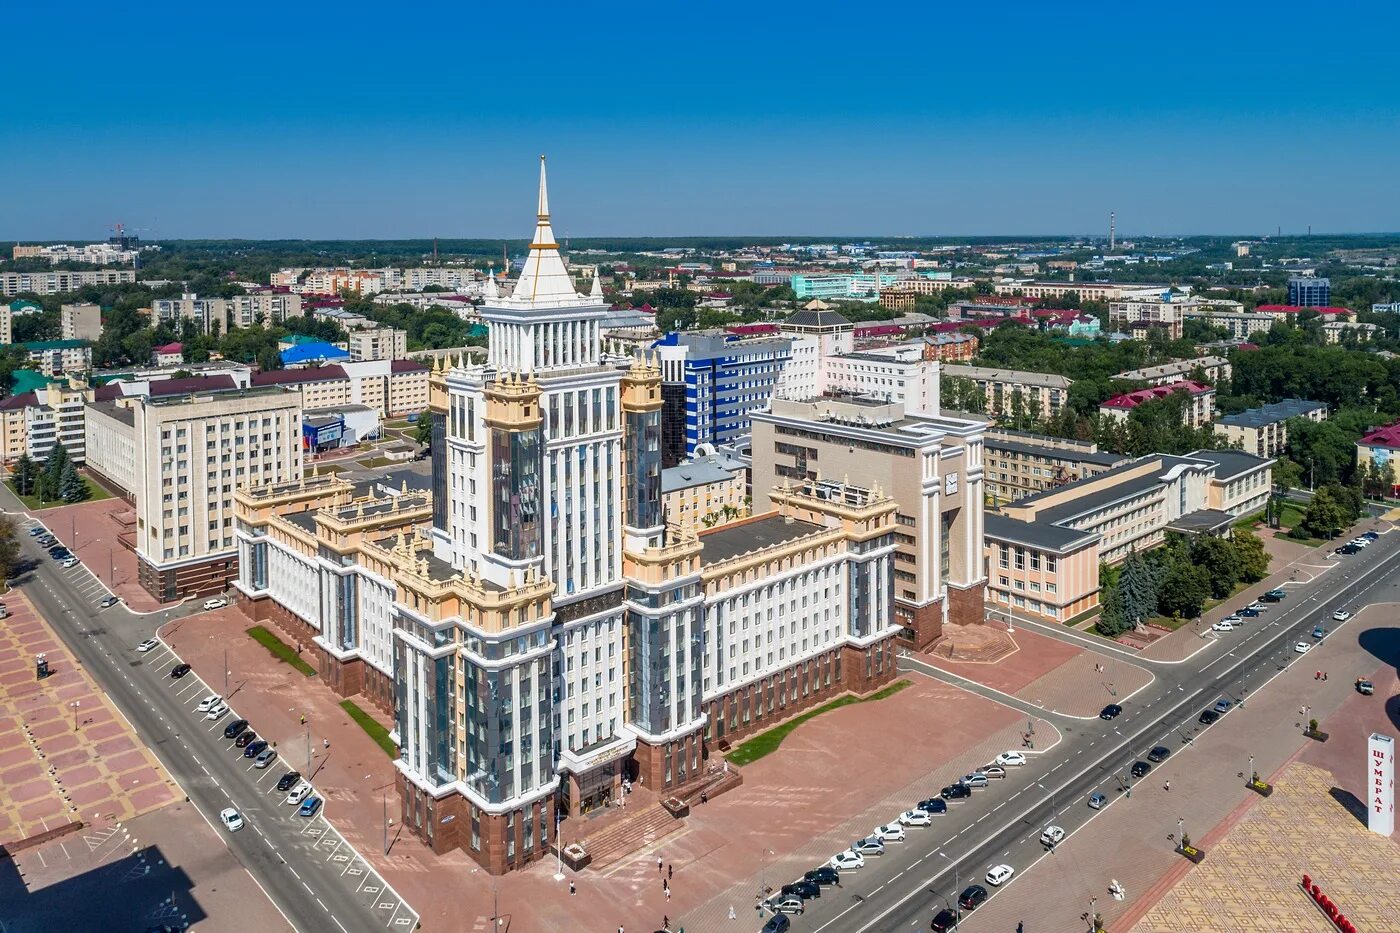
<point x="1055" y="453"/>
<point x="1271" y="413"/>
<point x="1230" y="463"/>
<point x="1037" y="534"/>
<point x="756" y="534"/>
<point x="1202" y="521"/>
<point x="1007" y="375"/>
<point x="305" y="519"/>
<point x="1102" y="489"/>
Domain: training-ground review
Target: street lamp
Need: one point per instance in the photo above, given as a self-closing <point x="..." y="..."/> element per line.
<point x="75" y="704"/>
<point x="957" y="884"/>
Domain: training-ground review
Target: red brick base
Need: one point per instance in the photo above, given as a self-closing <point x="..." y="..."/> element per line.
<point x="966" y="605"/>
<point x="923" y="625"/>
<point x="205" y="578"/>
<point x="447" y="824"/>
<point x="686" y="764"/>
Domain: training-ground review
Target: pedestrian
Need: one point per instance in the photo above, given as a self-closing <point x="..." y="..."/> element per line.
<point x="732" y="915"/>
<point x="1020" y="927"/>
<point x="326" y="743"/>
<point x="1324" y="675"/>
<point x="1317" y="675"/>
<point x="659" y="863"/>
<point x="1167" y="786"/>
<point x="303" y="719"/>
<point x="665" y="922"/>
<point x="572" y="889"/>
<point x="704" y="796"/>
<point x="670" y="872"/>
<point x="619" y="928"/>
<point x="666" y="889"/>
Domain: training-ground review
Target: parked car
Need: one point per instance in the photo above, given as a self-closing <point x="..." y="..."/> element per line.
<point x="1364" y="686"/>
<point x="1208" y="717"/>
<point x="785" y="905"/>
<point x="945" y="920"/>
<point x="847" y="861"/>
<point x="934" y="805"/>
<point x="108" y="602"/>
<point x="824" y="875"/>
<point x="975" y="779"/>
<point x="233" y="729"/>
<point x="778" y="923"/>
<point x="288" y="780"/>
<point x="1158" y="754"/>
<point x="1140" y="768"/>
<point x="1341" y="615"/>
<point x="60" y="553"/>
<point x="996" y="772"/>
<point x="1302" y="647"/>
<point x="804" y="889"/>
<point x="1053" y="835"/>
<point x="309" y="807"/>
<point x="254" y="748"/>
<point x="1222" y="626"/>
<point x="1097" y="801"/>
<point x="212" y="699"/>
<point x="1274" y="596"/>
<point x="266" y="757"/>
<point x="216" y="711"/>
<point x="1110" y="711"/>
<point x="1348" y="548"/>
<point x="246" y="739"/>
<point x="1370" y="535"/>
<point x="870" y="845"/>
<point x="915" y="818"/>
<point x="1258" y="606"/>
<point x="179" y="670"/>
<point x="998" y="875"/>
<point x="218" y="602"/>
<point x="972" y="897"/>
<point x="890" y="832"/>
<point x="36" y="530"/>
<point x="955" y="792"/>
<point x="231" y="819"/>
<point x="1015" y="759"/>
<point x="1248" y="612"/>
<point x="70" y="562"/>
<point x="150" y="644"/>
<point x="1233" y="620"/>
<point x="1223" y="705"/>
<point x="1319" y="632"/>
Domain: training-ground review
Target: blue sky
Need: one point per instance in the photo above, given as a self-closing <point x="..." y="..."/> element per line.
<point x="300" y="120"/>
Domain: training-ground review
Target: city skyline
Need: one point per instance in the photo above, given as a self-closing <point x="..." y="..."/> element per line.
<point x="781" y="123"/>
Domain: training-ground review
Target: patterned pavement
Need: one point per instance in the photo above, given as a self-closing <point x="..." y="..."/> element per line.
<point x="65" y="752"/>
<point x="1249" y="882"/>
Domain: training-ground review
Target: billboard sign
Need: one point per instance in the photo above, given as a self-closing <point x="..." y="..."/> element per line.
<point x="1380" y="784"/>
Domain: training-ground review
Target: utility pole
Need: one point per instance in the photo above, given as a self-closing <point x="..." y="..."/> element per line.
<point x="225" y="673"/>
<point x="385" y="798"/>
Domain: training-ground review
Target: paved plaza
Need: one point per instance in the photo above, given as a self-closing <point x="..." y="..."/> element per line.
<point x="66" y="754"/>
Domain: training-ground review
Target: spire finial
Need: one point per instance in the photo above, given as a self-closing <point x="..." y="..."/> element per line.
<point x="544" y="192"/>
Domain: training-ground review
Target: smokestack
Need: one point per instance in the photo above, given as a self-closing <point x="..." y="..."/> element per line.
<point x="1112" y="234"/>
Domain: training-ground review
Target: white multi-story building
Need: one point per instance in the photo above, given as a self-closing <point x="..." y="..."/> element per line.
<point x="895" y="374"/>
<point x="80" y="322"/>
<point x="57" y="282"/>
<point x="380" y="343"/>
<point x="101" y="254"/>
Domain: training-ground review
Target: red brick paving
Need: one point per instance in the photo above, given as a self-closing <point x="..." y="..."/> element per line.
<point x="91" y="532"/>
<point x="1035" y="656"/>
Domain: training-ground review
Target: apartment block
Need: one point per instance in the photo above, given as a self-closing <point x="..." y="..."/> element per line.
<point x="1042" y="394"/>
<point x="1309" y="291"/>
<point x="1214" y="369"/>
<point x="950" y="348"/>
<point x="1086" y="291"/>
<point x="705" y="492"/>
<point x="179" y="459"/>
<point x="80" y="322"/>
<point x="1263" y="431"/>
<point x="1380" y="448"/>
<point x="59" y="282"/>
<point x="380" y="343"/>
<point x="932" y="466"/>
<point x="1337" y="331"/>
<point x="392" y="387"/>
<point x="265" y="306"/>
<point x="1199" y="411"/>
<point x="57" y="357"/>
<point x="205" y="312"/>
<point x="1019" y="463"/>
<point x="1241" y="324"/>
<point x="1141" y="313"/>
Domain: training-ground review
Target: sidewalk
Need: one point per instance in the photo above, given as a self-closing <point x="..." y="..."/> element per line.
<point x="90" y="531"/>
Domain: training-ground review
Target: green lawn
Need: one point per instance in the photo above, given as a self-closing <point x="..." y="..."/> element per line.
<point x="765" y="743"/>
<point x="372" y="727"/>
<point x="95" y="493"/>
<point x="280" y="650"/>
<point x="373" y="462"/>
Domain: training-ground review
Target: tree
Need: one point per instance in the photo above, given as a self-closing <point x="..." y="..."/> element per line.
<point x="1250" y="555"/>
<point x="1325" y="515"/>
<point x="423" y="429"/>
<point x="26" y="470"/>
<point x="53" y="467"/>
<point x="1139" y="588"/>
<point x="71" y="487"/>
<point x="9" y="547"/>
<point x="1218" y="558"/>
<point x="1185" y="588"/>
<point x="269" y="359"/>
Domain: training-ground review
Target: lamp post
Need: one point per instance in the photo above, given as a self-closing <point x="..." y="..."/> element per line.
<point x="1181" y="829"/>
<point x="1251" y="767"/>
<point x="75" y="704"/>
<point x="384" y="797"/>
<point x="558" y="847"/>
<point x="957" y="883"/>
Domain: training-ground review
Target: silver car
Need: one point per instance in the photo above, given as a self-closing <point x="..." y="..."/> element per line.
<point x="871" y="845"/>
<point x="266" y="757"/>
<point x="975" y="779"/>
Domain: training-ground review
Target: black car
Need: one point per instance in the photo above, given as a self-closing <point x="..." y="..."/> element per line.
<point x="1159" y="753"/>
<point x="1110" y="711"/>
<point x="255" y="749"/>
<point x="235" y="727"/>
<point x="1348" y="549"/>
<point x="245" y="739"/>
<point x="955" y="792"/>
<point x="179" y="670"/>
<point x="778" y="923"/>
<point x="934" y="805"/>
<point x="804" y="889"/>
<point x="285" y="782"/>
<point x="972" y="896"/>
<point x="1140" y="768"/>
<point x="60" y="553"/>
<point x="944" y="920"/>
<point x="1274" y="596"/>
<point x="1248" y="612"/>
<point x="1208" y="717"/>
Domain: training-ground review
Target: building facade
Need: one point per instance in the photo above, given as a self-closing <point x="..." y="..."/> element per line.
<point x="80" y="322"/>
<point x="179" y="458"/>
<point x="1042" y="394"/>
<point x="1041" y="569"/>
<point x="58" y="282"/>
<point x="1213" y="369"/>
<point x="1263" y="431"/>
<point x="392" y="387"/>
<point x="1019" y="463"/>
<point x="57" y="357"/>
<point x="1198" y="412"/>
<point x="380" y="343"/>
<point x="705" y="492"/>
<point x="1241" y="324"/>
<point x="1309" y="291"/>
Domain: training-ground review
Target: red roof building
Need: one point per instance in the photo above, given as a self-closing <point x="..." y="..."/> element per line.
<point x="1200" y="410"/>
<point x="1286" y="312"/>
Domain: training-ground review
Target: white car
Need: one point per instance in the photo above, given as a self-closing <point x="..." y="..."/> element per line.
<point x="1052" y="835"/>
<point x="217" y="602"/>
<point x="1302" y="647"/>
<point x="1222" y="626"/>
<point x="150" y="644"/>
<point x="1011" y="758"/>
<point x="1000" y="874"/>
<point x="915" y="818"/>
<point x="298" y="794"/>
<point x="891" y="832"/>
<point x="216" y="711"/>
<point x="231" y="819"/>
<point x="1233" y="620"/>
<point x="70" y="562"/>
<point x="1341" y="615"/>
<point x="205" y="704"/>
<point x="847" y="861"/>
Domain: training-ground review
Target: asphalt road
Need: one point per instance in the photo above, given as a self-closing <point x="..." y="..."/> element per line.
<point x="1002" y="823"/>
<point x="307" y="870"/>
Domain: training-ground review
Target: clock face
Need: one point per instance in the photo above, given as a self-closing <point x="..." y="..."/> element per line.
<point x="950" y="484"/>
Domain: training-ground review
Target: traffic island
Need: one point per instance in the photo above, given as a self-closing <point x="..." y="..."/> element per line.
<point x="1312" y="732"/>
